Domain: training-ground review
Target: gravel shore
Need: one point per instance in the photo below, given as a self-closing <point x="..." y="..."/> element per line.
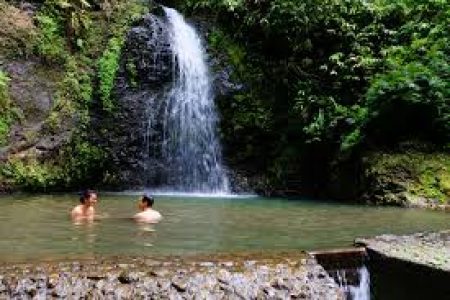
<point x="175" y="278"/>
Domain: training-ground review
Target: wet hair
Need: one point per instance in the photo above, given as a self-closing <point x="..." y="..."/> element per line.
<point x="86" y="194"/>
<point x="148" y="200"/>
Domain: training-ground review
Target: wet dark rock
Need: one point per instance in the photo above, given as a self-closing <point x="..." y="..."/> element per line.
<point x="127" y="278"/>
<point x="95" y="277"/>
<point x="147" y="47"/>
<point x="158" y="273"/>
<point x="224" y="85"/>
<point x="145" y="72"/>
<point x="180" y="284"/>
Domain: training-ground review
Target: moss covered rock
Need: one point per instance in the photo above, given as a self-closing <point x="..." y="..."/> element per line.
<point x="17" y="31"/>
<point x="408" y="179"/>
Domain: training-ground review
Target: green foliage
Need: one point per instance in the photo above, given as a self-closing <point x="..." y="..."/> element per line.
<point x="50" y="43"/>
<point x="83" y="163"/>
<point x="247" y="115"/>
<point x="338" y="78"/>
<point x="75" y="18"/>
<point x="236" y="55"/>
<point x="5" y="108"/>
<point x="125" y="14"/>
<point x="77" y="83"/>
<point x="72" y="98"/>
<point x="229" y="5"/>
<point x="4" y="94"/>
<point x="31" y="175"/>
<point x="416" y="76"/>
<point x="107" y="69"/>
<point x="75" y="38"/>
<point x="4" y="130"/>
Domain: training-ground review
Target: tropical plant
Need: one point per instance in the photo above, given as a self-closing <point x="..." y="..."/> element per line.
<point x="76" y="18"/>
<point x="5" y="107"/>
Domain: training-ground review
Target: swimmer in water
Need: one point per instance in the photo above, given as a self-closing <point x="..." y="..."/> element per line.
<point x="147" y="214"/>
<point x="85" y="210"/>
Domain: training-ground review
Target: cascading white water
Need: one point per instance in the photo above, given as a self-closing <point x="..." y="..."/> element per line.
<point x="353" y="292"/>
<point x="190" y="148"/>
<point x="362" y="291"/>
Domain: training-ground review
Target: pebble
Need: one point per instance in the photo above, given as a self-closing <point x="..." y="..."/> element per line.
<point x="180" y="284"/>
<point x="207" y="264"/>
<point x="128" y="277"/>
<point x="227" y="264"/>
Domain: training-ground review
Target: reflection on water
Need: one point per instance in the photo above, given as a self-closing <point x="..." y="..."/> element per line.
<point x="146" y="234"/>
<point x="39" y="227"/>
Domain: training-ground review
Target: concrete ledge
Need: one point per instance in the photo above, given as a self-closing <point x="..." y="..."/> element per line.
<point x="428" y="249"/>
<point x="409" y="267"/>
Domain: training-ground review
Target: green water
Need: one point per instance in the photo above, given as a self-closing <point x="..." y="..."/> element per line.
<point x="39" y="227"/>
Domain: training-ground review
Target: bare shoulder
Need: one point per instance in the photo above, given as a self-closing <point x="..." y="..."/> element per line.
<point x="77" y="210"/>
<point x="155" y="214"/>
<point x="80" y="211"/>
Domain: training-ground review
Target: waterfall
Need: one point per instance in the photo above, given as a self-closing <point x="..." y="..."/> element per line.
<point x="189" y="148"/>
<point x="361" y="291"/>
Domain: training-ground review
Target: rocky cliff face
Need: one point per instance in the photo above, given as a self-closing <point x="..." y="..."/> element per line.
<point x="145" y="72"/>
<point x="31" y="87"/>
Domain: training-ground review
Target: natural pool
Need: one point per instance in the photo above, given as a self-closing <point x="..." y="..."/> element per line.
<point x="39" y="227"/>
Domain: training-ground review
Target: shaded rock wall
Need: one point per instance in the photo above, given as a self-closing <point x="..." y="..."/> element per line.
<point x="32" y="86"/>
<point x="145" y="73"/>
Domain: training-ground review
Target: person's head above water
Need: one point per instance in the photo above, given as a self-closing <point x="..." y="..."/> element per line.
<point x="147" y="214"/>
<point x="86" y="209"/>
<point x="146" y="202"/>
<point x="88" y="197"/>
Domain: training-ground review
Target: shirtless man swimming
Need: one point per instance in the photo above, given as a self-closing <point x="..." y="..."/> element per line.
<point x="147" y="214"/>
<point x="86" y="209"/>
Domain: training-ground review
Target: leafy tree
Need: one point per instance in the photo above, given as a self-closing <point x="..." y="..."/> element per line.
<point x="338" y="78"/>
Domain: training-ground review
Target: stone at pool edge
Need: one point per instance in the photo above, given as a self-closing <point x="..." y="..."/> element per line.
<point x="418" y="248"/>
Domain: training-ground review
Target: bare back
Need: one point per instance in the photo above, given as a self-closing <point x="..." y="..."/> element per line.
<point x="82" y="212"/>
<point x="148" y="216"/>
